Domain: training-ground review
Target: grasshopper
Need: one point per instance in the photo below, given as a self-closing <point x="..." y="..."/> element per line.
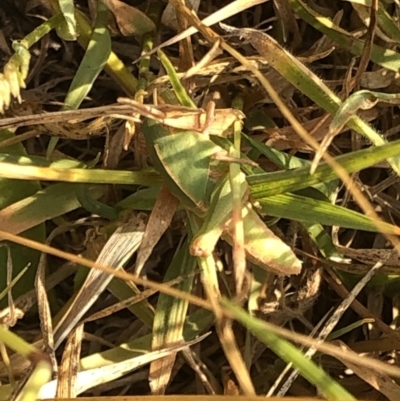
<point x="186" y="118"/>
<point x="179" y="141"/>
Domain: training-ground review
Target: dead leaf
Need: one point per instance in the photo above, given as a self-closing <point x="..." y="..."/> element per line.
<point x="130" y="20"/>
<point x="160" y="219"/>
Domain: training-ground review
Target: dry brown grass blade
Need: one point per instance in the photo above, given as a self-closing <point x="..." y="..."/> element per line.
<point x="384" y="344"/>
<point x="69" y="367"/>
<point x="45" y="318"/>
<point x="366" y="54"/>
<point x="204" y="62"/>
<point x="63" y="116"/>
<point x="186" y="54"/>
<point x="159" y="220"/>
<point x="234" y="356"/>
<point x="160" y="374"/>
<point x="372" y="256"/>
<point x="124" y="239"/>
<point x="355" y="268"/>
<point x="170" y="19"/>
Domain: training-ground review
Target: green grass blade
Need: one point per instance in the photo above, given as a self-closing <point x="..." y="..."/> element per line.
<point x="387" y="24"/>
<point x="289" y="162"/>
<point x="123" y="290"/>
<point x="281" y="159"/>
<point x="96" y="55"/>
<point x="93" y="62"/>
<point x="95" y="176"/>
<point x="68" y="11"/>
<point x="180" y="91"/>
<point x="16" y="343"/>
<point x="300" y="208"/>
<point x="263" y="185"/>
<point x="170" y="315"/>
<point x="219" y="211"/>
<point x="38" y="161"/>
<point x="38" y="378"/>
<point x="42" y="30"/>
<point x="53" y="201"/>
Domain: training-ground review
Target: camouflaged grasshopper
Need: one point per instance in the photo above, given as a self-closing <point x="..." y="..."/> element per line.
<point x="211" y="121"/>
<point x="179" y="142"/>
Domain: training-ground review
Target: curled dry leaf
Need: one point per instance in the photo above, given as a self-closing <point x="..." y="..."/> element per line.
<point x="130" y="20"/>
